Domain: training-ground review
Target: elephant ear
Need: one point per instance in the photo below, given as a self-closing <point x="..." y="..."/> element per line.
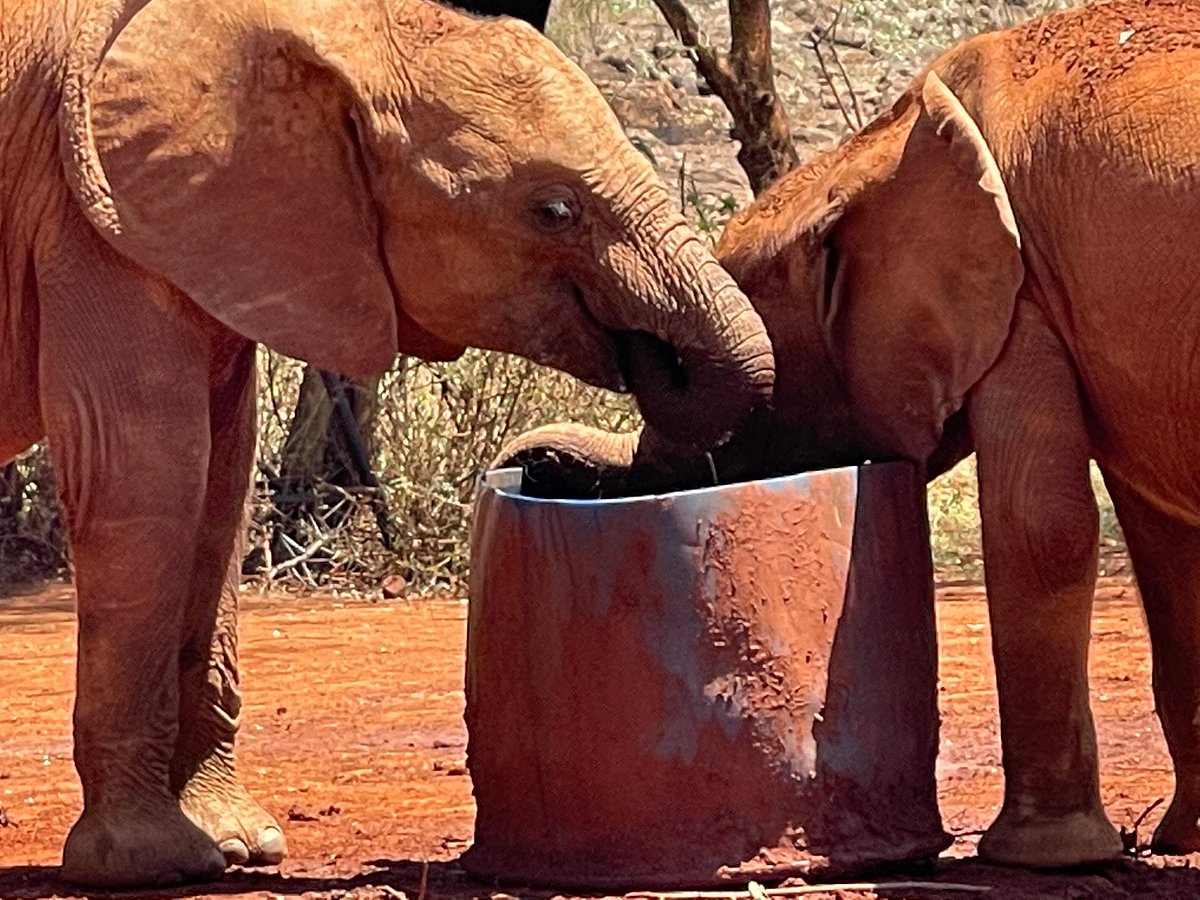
<point x="225" y="155"/>
<point x="921" y="278"/>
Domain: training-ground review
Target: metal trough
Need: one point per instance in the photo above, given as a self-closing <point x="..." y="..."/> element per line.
<point x="703" y="687"/>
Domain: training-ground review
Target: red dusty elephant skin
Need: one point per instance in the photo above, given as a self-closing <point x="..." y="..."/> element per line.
<point x="340" y="180"/>
<point x="1006" y="262"/>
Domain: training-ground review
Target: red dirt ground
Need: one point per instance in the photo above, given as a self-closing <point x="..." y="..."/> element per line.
<point x="353" y="736"/>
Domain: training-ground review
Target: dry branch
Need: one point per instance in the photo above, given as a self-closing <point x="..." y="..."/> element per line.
<point x="816" y="39"/>
<point x="837" y="58"/>
<point x="744" y="79"/>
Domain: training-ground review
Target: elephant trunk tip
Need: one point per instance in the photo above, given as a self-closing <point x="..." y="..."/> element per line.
<point x="570" y="461"/>
<point x="692" y="396"/>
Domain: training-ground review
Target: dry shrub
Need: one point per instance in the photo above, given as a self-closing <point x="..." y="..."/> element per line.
<point x="438" y="426"/>
<point x="32" y="542"/>
<point x="954" y="524"/>
<point x="956" y="533"/>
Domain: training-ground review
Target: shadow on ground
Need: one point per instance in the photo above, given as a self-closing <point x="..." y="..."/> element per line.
<point x="381" y="878"/>
<point x="414" y="879"/>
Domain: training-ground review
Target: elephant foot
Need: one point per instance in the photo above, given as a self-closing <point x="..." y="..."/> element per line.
<point x="246" y="833"/>
<point x="139" y="847"/>
<point x="1050" y="842"/>
<point x="1179" y="831"/>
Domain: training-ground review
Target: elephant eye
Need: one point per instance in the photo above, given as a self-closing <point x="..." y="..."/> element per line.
<point x="556" y="214"/>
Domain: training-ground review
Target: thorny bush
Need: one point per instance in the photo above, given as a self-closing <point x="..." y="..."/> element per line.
<point x="438" y="425"/>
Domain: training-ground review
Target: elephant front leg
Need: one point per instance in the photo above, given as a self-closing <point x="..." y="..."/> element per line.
<point x="203" y="770"/>
<point x="1166" y="558"/>
<point x="1040" y="527"/>
<point x="124" y="400"/>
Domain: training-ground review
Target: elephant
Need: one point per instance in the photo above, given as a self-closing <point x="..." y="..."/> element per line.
<point x="340" y="181"/>
<point x="1004" y="263"/>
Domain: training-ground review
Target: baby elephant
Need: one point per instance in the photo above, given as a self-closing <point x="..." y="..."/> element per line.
<point x="1006" y="262"/>
<point x="340" y="180"/>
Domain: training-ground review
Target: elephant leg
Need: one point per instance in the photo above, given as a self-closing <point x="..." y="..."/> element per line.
<point x="124" y="380"/>
<point x="1040" y="541"/>
<point x="203" y="773"/>
<point x="1166" y="560"/>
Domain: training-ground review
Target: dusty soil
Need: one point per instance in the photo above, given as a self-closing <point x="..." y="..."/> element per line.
<point x="354" y="738"/>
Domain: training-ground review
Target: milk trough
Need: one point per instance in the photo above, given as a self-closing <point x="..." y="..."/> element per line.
<point x="702" y="687"/>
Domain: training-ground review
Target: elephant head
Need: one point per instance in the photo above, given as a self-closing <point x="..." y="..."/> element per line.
<point x="888" y="268"/>
<point x="343" y="181"/>
<point x="886" y="272"/>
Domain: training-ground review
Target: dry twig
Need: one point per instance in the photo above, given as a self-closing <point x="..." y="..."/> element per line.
<point x="837" y="58"/>
<point x="1130" y="841"/>
<point x="744" y="79"/>
<point x="816" y="39"/>
<point x="424" y="880"/>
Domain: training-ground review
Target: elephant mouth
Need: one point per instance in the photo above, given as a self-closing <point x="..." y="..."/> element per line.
<point x="645" y="359"/>
<point x="683" y="396"/>
<point x="689" y="393"/>
<point x="642" y="359"/>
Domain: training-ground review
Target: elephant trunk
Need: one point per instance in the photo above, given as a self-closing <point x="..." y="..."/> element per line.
<point x="570" y="461"/>
<point x="699" y="359"/>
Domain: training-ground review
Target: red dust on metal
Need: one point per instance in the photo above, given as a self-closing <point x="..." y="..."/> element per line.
<point x="702" y="687"/>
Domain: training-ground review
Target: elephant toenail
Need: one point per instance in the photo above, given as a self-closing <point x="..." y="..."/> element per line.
<point x="235" y="851"/>
<point x="272" y="845"/>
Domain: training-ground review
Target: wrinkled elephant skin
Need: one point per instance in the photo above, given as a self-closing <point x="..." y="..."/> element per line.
<point x="1007" y="263"/>
<point x="180" y="180"/>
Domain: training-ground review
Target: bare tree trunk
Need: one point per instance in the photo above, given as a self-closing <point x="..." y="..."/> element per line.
<point x="744" y="79"/>
<point x="10" y="499"/>
<point x="317" y="447"/>
<point x="327" y="447"/>
<point x="761" y="124"/>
